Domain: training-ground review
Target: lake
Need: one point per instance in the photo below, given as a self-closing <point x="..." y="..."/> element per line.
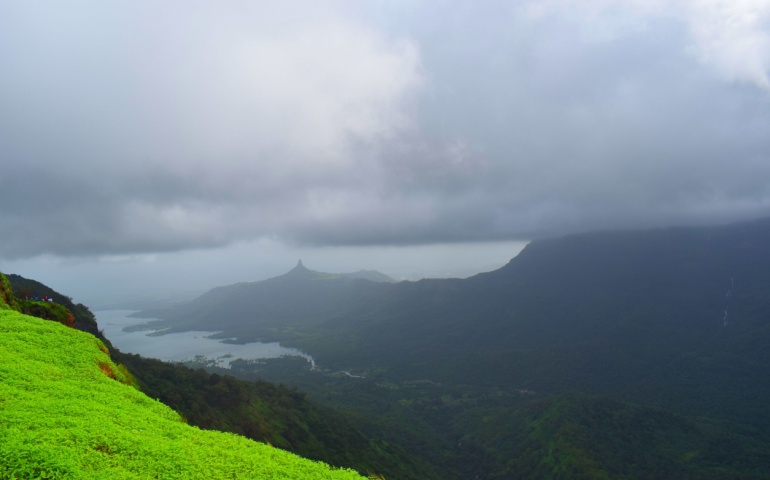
<point x="184" y="346"/>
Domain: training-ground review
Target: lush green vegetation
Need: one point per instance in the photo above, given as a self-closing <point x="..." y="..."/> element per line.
<point x="26" y="289"/>
<point x="67" y="411"/>
<point x="503" y="432"/>
<point x="274" y="414"/>
<point x="7" y="298"/>
<point x="569" y="437"/>
<point x="47" y="311"/>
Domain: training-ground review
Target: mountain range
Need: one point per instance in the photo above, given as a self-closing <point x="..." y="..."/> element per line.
<point x="636" y="354"/>
<point x="676" y="319"/>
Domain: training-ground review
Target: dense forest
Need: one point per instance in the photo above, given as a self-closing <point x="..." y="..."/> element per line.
<point x="275" y="414"/>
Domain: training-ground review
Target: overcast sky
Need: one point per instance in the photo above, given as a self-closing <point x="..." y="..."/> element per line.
<point x="147" y="143"/>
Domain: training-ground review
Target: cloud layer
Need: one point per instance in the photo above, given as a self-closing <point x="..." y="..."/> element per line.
<point x="129" y="127"/>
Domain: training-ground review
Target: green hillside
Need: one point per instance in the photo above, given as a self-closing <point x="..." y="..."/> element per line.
<point x="578" y="436"/>
<point x="67" y="411"/>
<point x="275" y="414"/>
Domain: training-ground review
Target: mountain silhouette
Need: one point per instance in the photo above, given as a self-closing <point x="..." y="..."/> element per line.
<point x="616" y="313"/>
<point x="628" y="354"/>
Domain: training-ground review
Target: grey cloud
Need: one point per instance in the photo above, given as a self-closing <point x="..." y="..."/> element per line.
<point x="130" y="128"/>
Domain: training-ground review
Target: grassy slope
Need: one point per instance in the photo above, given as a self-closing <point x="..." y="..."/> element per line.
<point x="64" y="415"/>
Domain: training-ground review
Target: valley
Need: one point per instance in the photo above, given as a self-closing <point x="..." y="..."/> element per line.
<point x="637" y="318"/>
<point x="603" y="355"/>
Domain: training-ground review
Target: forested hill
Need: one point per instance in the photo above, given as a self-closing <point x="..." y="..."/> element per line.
<point x="250" y="310"/>
<point x="622" y="298"/>
<point x="674" y="317"/>
<point x="622" y="313"/>
<point x="667" y="290"/>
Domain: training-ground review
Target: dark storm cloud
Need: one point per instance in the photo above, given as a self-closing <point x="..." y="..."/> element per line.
<point x="139" y="127"/>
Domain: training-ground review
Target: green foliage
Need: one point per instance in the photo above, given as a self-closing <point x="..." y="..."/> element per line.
<point x="469" y="432"/>
<point x="63" y="416"/>
<point x="599" y="438"/>
<point x="7" y="299"/>
<point x="27" y="289"/>
<point x="47" y="311"/>
<point x="277" y="415"/>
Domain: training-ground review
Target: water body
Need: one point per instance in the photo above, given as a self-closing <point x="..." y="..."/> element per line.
<point x="184" y="346"/>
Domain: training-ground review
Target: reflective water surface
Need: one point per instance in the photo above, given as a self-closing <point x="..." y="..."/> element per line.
<point x="183" y="346"/>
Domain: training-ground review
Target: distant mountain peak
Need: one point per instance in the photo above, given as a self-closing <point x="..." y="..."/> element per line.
<point x="299" y="270"/>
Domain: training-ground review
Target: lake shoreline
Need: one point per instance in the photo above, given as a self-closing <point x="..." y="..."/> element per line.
<point x="136" y="335"/>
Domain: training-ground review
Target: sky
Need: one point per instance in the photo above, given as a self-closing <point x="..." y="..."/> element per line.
<point x="187" y="144"/>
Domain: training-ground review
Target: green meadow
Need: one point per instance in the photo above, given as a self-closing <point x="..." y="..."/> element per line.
<point x="67" y="411"/>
